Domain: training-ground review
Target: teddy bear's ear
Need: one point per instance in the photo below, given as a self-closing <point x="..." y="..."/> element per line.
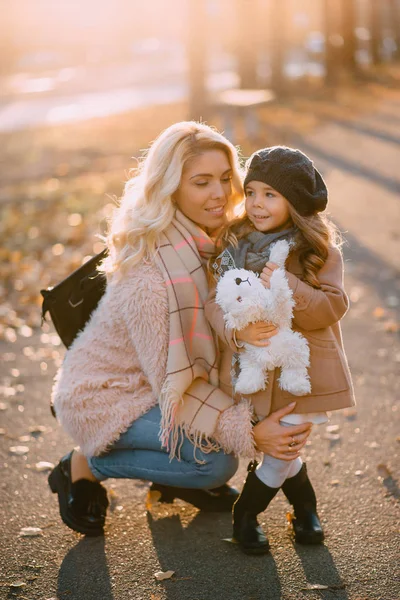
<point x="279" y="253"/>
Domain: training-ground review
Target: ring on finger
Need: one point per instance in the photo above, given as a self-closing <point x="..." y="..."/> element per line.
<point x="292" y="443"/>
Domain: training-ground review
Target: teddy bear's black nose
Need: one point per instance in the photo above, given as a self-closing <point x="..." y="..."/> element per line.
<point x="238" y="281"/>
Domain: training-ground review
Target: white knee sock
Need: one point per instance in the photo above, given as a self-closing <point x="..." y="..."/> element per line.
<point x="273" y="471"/>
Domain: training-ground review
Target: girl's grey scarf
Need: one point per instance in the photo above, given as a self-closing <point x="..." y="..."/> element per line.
<point x="253" y="250"/>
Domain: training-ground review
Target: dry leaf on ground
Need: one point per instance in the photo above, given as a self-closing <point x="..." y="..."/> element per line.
<point x="161" y="575"/>
<point x="19" y="450"/>
<point x="316" y="586"/>
<point x="152" y="498"/>
<point x="30" y="532"/>
<point x="17" y="584"/>
<point x="43" y="466"/>
<point x="332" y="428"/>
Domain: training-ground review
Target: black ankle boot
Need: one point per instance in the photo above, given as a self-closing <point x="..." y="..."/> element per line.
<point x="83" y="504"/>
<point x="300" y="493"/>
<point x="254" y="499"/>
<point x="219" y="499"/>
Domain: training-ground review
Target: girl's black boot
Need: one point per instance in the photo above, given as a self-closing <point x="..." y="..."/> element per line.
<point x="254" y="499"/>
<point x="300" y="493"/>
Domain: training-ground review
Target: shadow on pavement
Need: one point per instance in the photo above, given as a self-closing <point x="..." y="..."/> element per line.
<point x="84" y="572"/>
<point x="319" y="568"/>
<point x="390" y="183"/>
<point x="205" y="565"/>
<point x="372" y="270"/>
<point x="364" y="129"/>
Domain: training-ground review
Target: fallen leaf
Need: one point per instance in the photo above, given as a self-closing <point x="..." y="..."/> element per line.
<point x="152" y="498"/>
<point x="391" y="326"/>
<point x="37" y="429"/>
<point x="160" y="575"/>
<point x="383" y="471"/>
<point x="114" y="500"/>
<point x="289" y="518"/>
<point x="332" y="428"/>
<point x="19" y="450"/>
<point x="230" y="540"/>
<point x="333" y="437"/>
<point x="335" y="482"/>
<point x="30" y="532"/>
<point x="378" y="312"/>
<point x="17" y="584"/>
<point x="316" y="586"/>
<point x="42" y="466"/>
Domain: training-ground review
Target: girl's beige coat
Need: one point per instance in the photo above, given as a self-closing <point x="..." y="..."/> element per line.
<point x="316" y="315"/>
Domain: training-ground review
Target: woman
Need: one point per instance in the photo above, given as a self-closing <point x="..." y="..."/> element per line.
<point x="138" y="389"/>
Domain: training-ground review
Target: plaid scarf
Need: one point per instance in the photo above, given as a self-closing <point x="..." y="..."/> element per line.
<point x="190" y="400"/>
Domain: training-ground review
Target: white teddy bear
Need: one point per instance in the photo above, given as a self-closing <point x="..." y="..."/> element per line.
<point x="244" y="300"/>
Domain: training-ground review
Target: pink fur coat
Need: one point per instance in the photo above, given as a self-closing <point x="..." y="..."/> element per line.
<point x="113" y="372"/>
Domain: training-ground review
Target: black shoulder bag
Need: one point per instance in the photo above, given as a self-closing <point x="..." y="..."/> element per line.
<point x="72" y="301"/>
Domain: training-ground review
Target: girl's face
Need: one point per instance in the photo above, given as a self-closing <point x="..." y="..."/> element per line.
<point x="266" y="208"/>
<point x="205" y="188"/>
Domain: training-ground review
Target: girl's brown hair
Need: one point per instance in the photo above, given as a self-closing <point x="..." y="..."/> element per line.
<point x="313" y="237"/>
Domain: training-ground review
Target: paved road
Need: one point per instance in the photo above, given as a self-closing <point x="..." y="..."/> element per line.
<point x="356" y="475"/>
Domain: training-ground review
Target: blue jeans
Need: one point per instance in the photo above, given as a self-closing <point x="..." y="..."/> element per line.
<point x="138" y="454"/>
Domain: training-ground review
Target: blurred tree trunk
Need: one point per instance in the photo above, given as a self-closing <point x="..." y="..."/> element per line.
<point x="247" y="42"/>
<point x="196" y="53"/>
<point x="9" y="54"/>
<point x="277" y="29"/>
<point x="349" y="36"/>
<point x="375" y="31"/>
<point x="394" y="6"/>
<point x="330" y="50"/>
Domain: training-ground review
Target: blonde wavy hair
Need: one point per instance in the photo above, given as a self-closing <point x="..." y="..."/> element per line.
<point x="146" y="208"/>
<point x="314" y="235"/>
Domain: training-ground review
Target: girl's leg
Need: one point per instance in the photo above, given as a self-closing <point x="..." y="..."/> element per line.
<point x="138" y="454"/>
<point x="273" y="472"/>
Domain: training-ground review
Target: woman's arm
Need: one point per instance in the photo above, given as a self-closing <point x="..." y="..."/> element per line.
<point x="318" y="308"/>
<point x="236" y="433"/>
<point x="272" y="438"/>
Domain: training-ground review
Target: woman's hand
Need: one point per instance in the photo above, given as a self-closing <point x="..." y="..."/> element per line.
<point x="257" y="334"/>
<point x="266" y="273"/>
<point x="279" y="440"/>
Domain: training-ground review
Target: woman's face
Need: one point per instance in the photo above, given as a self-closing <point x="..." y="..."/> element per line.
<point x="205" y="188"/>
<point x="266" y="208"/>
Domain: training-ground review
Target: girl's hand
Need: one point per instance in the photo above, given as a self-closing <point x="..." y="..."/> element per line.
<point x="278" y="440"/>
<point x="257" y="334"/>
<point x="266" y="273"/>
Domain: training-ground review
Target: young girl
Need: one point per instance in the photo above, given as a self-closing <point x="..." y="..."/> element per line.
<point x="285" y="195"/>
